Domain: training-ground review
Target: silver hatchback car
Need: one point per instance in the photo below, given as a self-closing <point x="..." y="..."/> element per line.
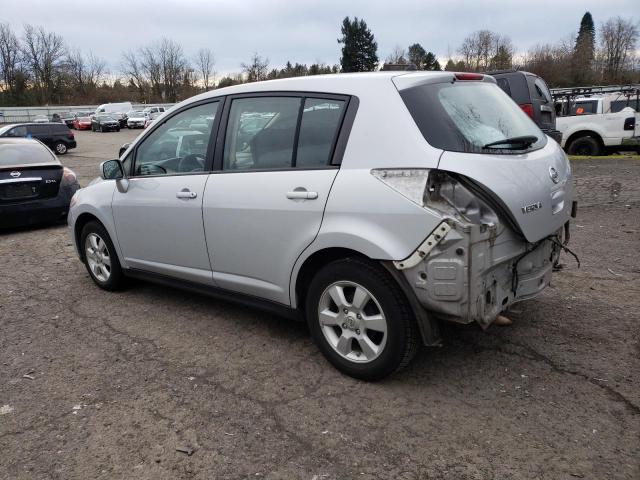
<point x="372" y="205"/>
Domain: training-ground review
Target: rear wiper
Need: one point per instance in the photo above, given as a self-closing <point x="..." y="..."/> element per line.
<point x="524" y="141"/>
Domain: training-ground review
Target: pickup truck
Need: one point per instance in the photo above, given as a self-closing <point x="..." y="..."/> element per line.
<point x="597" y="125"/>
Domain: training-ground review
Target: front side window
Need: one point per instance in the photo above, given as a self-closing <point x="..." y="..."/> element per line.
<point x="261" y="133"/>
<point x="18" y="132"/>
<point x="471" y="117"/>
<point x="179" y="144"/>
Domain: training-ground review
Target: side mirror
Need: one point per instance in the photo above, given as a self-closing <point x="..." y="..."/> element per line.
<point x="111" y="170"/>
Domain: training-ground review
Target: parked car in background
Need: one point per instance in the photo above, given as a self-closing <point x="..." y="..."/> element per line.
<point x="56" y="136"/>
<point x="116" y="110"/>
<point x="454" y="207"/>
<point x="66" y="117"/>
<point x="136" y="119"/>
<point x="598" y="124"/>
<point x="82" y="123"/>
<point x="149" y="121"/>
<point x="34" y="186"/>
<point x="40" y="119"/>
<point x="531" y="93"/>
<point x="104" y="123"/>
<point x="154" y="110"/>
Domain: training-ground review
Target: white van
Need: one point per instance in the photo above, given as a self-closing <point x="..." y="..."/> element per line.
<point x="117" y="110"/>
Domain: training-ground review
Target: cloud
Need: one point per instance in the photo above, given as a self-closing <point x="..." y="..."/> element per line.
<point x="300" y="30"/>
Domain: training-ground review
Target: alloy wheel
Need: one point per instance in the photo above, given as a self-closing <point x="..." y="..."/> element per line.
<point x="352" y="321"/>
<point x="98" y="257"/>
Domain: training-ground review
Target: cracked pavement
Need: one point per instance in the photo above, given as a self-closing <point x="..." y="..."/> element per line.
<point x="120" y="381"/>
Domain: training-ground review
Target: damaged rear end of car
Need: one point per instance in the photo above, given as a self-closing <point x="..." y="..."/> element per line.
<point x="501" y="193"/>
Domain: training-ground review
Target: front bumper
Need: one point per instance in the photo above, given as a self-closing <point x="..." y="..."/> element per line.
<point x="477" y="271"/>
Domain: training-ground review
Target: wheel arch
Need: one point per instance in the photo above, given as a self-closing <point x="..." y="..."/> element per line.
<point x="428" y="327"/>
<point x="584" y="133"/>
<point x="312" y="264"/>
<point x="79" y="224"/>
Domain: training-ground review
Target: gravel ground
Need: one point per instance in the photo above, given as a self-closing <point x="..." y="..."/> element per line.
<point x="103" y="385"/>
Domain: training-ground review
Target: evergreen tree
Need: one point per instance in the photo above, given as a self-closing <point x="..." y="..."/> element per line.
<point x="584" y="52"/>
<point x="359" y="51"/>
<point x="422" y="59"/>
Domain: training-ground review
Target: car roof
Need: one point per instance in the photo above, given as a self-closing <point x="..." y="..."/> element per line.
<point x="334" y="83"/>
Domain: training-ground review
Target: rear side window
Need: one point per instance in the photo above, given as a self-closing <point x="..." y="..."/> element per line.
<point x="318" y="130"/>
<point x="261" y="133"/>
<point x="466" y="116"/>
<point x="61" y="128"/>
<point x="588" y="107"/>
<point x="281" y="132"/>
<point x="541" y="90"/>
<point x="503" y="83"/>
<point x="39" y="129"/>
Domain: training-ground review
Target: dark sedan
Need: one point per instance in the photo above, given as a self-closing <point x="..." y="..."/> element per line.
<point x="34" y="186"/>
<point x="105" y="123"/>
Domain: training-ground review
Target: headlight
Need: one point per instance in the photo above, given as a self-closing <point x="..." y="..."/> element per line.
<point x="437" y="190"/>
<point x="68" y="176"/>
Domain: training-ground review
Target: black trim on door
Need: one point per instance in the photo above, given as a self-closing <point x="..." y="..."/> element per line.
<point x="217" y="293"/>
<point x="339" y="143"/>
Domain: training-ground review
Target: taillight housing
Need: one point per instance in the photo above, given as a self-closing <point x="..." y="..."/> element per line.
<point x="438" y="191"/>
<point x="70" y="135"/>
<point x="527" y="108"/>
<point x="630" y="123"/>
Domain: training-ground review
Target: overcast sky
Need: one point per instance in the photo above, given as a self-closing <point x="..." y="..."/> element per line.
<point x="300" y="30"/>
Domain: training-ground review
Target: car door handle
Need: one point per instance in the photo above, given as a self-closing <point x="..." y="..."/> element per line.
<point x="302" y="195"/>
<point x="186" y="194"/>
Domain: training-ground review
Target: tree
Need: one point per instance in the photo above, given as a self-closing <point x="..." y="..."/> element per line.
<point x="502" y="60"/>
<point x="618" y="38"/>
<point x="43" y="52"/>
<point x="584" y="52"/>
<point x="550" y="62"/>
<point x="422" y="59"/>
<point x="257" y="69"/>
<point x="205" y="62"/>
<point x="397" y="56"/>
<point x="10" y="70"/>
<point x="482" y="48"/>
<point x="359" y="51"/>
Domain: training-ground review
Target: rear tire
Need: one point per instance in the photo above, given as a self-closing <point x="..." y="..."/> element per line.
<point x="372" y="333"/>
<point x="587" y="146"/>
<point x="60" y="148"/>
<point x="100" y="257"/>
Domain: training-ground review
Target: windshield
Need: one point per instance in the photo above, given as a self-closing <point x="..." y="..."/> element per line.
<point x="467" y="116"/>
<point x="136" y="114"/>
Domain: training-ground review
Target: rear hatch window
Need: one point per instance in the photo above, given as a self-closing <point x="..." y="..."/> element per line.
<point x="468" y="116"/>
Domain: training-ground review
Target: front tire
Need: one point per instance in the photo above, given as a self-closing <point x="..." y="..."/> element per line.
<point x="587" y="146"/>
<point x="100" y="257"/>
<point x="360" y="319"/>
